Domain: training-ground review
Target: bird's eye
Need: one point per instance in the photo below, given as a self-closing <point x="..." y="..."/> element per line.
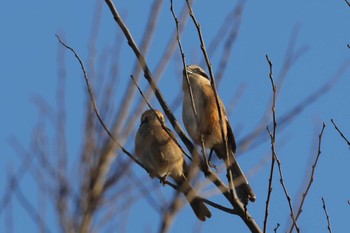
<point x="198" y="71"/>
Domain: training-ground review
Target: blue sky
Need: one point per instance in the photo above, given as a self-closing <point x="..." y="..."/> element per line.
<point x="28" y="66"/>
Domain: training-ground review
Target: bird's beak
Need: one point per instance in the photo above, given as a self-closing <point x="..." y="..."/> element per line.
<point x="189" y="71"/>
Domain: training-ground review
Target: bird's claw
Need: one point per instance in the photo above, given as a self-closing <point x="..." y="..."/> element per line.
<point x="163" y="179"/>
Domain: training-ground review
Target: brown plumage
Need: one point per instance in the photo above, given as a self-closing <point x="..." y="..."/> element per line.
<point x="162" y="157"/>
<point x="209" y="127"/>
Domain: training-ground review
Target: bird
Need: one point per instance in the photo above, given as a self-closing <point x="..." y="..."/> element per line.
<point x="162" y="157"/>
<point x="204" y="125"/>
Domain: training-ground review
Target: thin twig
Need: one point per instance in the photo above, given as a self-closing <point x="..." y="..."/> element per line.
<point x="347" y="2"/>
<point x="273" y="158"/>
<point x="327" y="216"/>
<point x="274" y="154"/>
<point x="95" y="106"/>
<point x="341" y="134"/>
<point x="276" y="228"/>
<point x="311" y="177"/>
<point x="285" y="189"/>
<point x="99" y="175"/>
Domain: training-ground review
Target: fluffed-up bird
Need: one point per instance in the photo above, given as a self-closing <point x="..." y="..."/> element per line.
<point x="207" y="126"/>
<point x="162" y="157"/>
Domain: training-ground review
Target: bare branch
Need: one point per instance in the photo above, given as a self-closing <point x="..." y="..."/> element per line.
<point x="327" y="217"/>
<point x="99" y="175"/>
<point x="341" y="134"/>
<point x="285" y="189"/>
<point x="274" y="155"/>
<point x="95" y="106"/>
<point x="311" y="177"/>
<point x="273" y="137"/>
<point x="347" y="2"/>
<point x="276" y="228"/>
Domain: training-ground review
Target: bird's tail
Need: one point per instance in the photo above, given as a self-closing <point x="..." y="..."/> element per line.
<point x="243" y="189"/>
<point x="199" y="208"/>
<point x="244" y="192"/>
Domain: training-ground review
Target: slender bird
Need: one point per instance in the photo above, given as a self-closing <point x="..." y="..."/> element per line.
<point x="205" y="125"/>
<point x="162" y="157"/>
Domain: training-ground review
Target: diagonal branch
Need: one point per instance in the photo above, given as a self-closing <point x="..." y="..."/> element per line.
<point x="327" y="216"/>
<point x="98" y="176"/>
<point x="311" y="177"/>
<point x="347" y="2"/>
<point x="340" y="132"/>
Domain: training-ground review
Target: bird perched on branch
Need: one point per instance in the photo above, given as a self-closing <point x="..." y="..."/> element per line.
<point x="205" y="125"/>
<point x="162" y="157"/>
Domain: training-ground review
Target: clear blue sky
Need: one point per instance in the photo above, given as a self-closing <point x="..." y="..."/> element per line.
<point x="28" y="68"/>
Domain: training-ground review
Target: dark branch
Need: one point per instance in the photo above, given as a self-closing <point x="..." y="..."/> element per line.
<point x="327" y="216"/>
<point x="311" y="176"/>
<point x="341" y="134"/>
